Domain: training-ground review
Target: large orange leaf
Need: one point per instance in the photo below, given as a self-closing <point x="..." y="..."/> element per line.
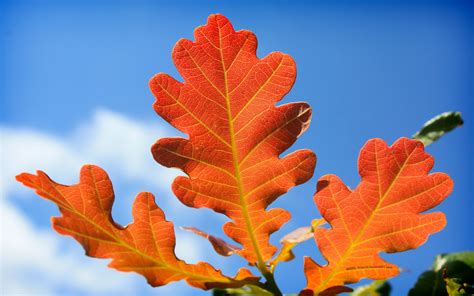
<point x="381" y="215"/>
<point x="227" y="107"/>
<point x="146" y="246"/>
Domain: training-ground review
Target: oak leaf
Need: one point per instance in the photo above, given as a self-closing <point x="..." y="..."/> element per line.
<point x="146" y="246"/>
<point x="381" y="215"/>
<point x="236" y="133"/>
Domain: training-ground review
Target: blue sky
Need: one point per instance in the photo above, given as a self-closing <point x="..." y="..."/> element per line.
<point x="73" y="89"/>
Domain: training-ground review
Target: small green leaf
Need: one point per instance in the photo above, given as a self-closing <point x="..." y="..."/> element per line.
<point x="257" y="291"/>
<point x="456" y="287"/>
<point x="436" y="127"/>
<point x="451" y="274"/>
<point x="376" y="288"/>
<point x="246" y="290"/>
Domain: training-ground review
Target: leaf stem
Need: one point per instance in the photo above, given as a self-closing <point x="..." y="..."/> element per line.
<point x="270" y="284"/>
<point x="262" y="267"/>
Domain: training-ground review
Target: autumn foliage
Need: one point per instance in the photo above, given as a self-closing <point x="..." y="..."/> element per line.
<point x="381" y="215"/>
<point x="236" y="133"/>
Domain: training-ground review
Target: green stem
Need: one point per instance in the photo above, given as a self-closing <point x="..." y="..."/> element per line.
<point x="271" y="285"/>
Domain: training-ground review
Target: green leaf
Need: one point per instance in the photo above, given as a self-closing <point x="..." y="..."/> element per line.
<point x="436" y="127"/>
<point x="451" y="274"/>
<point x="456" y="287"/>
<point x="376" y="288"/>
<point x="247" y="290"/>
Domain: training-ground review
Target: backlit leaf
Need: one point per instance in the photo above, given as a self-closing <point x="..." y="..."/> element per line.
<point x="381" y="215"/>
<point x="226" y="105"/>
<point x="146" y="246"/>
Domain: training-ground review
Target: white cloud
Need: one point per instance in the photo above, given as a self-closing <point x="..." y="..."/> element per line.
<point x="109" y="139"/>
<point x="26" y="151"/>
<point x="34" y="262"/>
<point x="37" y="261"/>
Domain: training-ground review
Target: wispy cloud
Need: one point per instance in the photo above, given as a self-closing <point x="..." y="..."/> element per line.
<point x="34" y="262"/>
<point x="109" y="139"/>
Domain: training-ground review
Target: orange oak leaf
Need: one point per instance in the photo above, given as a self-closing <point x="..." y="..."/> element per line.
<point x="146" y="246"/>
<point x="236" y="133"/>
<point x="381" y="215"/>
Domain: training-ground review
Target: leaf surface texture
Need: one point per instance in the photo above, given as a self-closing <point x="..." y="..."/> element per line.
<point x="383" y="214"/>
<point x="226" y="105"/>
<point x="145" y="246"/>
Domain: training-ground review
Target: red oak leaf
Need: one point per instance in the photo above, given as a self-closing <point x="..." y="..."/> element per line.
<point x="381" y="215"/>
<point x="236" y="133"/>
<point x="146" y="246"/>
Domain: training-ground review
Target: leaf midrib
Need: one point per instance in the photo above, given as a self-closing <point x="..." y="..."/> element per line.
<point x="235" y="160"/>
<point x="117" y="240"/>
